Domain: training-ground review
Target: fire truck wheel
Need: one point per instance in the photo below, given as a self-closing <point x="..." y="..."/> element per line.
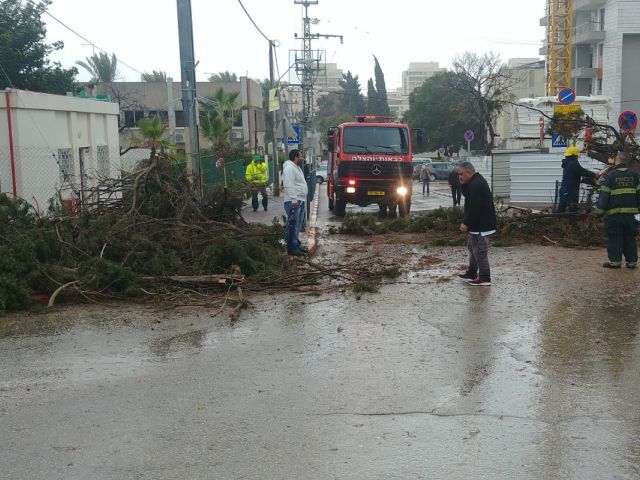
<point x="340" y="207"/>
<point x="382" y="212"/>
<point x="404" y="207"/>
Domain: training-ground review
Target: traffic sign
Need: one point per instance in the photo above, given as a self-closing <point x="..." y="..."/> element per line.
<point x="567" y="109"/>
<point x="294" y="140"/>
<point x="628" y="121"/>
<point x="469" y="135"/>
<point x="567" y="96"/>
<point x="441" y="150"/>
<point x="558" y="141"/>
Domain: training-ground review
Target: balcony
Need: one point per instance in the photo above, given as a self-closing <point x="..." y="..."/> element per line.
<point x="584" y="72"/>
<point x="588" y="4"/>
<point x="588" y="33"/>
<point x="544" y="50"/>
<point x="544" y="21"/>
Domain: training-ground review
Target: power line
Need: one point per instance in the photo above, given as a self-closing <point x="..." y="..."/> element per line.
<point x="254" y="23"/>
<point x="86" y="39"/>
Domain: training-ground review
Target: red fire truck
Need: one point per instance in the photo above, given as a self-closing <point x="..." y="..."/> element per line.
<point x="370" y="162"/>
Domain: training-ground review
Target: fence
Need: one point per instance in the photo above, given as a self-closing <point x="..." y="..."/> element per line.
<point x="40" y="174"/>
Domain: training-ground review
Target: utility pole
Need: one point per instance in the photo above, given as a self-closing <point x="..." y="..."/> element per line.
<point x="307" y="67"/>
<point x="188" y="76"/>
<point x="276" y="166"/>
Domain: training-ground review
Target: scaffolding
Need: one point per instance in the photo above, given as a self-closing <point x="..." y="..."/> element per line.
<point x="559" y="45"/>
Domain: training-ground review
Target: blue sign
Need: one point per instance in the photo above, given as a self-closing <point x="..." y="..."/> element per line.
<point x="294" y="140"/>
<point x="441" y="150"/>
<point x="567" y="96"/>
<point x="558" y="141"/>
<point x="469" y="135"/>
<point x="628" y="121"/>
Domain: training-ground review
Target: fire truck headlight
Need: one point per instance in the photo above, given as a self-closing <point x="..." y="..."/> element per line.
<point x="402" y="191"/>
<point x="351" y="189"/>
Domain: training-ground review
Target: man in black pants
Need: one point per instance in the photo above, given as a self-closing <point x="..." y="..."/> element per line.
<point x="620" y="201"/>
<point x="479" y="223"/>
<point x="456" y="187"/>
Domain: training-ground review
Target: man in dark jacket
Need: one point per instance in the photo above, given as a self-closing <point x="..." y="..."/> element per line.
<point x="620" y="201"/>
<point x="479" y="222"/>
<point x="456" y="188"/>
<point x="572" y="171"/>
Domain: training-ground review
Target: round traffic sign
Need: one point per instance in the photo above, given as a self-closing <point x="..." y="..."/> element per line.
<point x="628" y="121"/>
<point x="441" y="150"/>
<point x="567" y="96"/>
<point x="469" y="135"/>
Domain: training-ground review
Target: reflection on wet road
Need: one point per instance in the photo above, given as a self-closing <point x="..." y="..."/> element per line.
<point x="535" y="377"/>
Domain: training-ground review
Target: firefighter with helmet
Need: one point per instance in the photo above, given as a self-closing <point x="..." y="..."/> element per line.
<point x="572" y="172"/>
<point x="619" y="201"/>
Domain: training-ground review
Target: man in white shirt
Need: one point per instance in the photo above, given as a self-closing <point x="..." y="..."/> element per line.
<point x="295" y="189"/>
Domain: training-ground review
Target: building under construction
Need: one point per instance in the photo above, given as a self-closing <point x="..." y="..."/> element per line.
<point x="593" y="46"/>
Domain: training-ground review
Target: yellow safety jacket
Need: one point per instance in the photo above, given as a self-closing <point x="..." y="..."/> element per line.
<point x="256" y="173"/>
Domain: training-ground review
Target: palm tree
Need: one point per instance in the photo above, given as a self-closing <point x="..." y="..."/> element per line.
<point x="155" y="76"/>
<point x="223" y="77"/>
<point x="101" y="67"/>
<point x="216" y="117"/>
<point x="153" y="135"/>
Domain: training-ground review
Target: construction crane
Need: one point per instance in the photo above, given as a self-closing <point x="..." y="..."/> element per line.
<point x="559" y="46"/>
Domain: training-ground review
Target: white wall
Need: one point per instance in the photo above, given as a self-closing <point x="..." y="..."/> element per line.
<point x="43" y="125"/>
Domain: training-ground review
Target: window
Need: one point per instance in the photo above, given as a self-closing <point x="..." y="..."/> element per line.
<point x="179" y="118"/>
<point x="132" y="117"/>
<point x="390" y="140"/>
<point x="102" y="153"/>
<point x="65" y="163"/>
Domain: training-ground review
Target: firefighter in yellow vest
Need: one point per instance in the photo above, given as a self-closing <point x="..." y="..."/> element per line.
<point x="620" y="201"/>
<point x="256" y="175"/>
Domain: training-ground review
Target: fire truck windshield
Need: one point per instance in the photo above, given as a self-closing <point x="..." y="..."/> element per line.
<point x="376" y="139"/>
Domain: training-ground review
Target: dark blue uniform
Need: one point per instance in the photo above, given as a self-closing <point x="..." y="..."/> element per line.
<point x="572" y="171"/>
<point x="619" y="201"/>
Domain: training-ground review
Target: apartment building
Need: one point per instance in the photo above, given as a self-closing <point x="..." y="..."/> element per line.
<point x="139" y="100"/>
<point x="606" y="51"/>
<point x="417" y="73"/>
<point x="531" y="82"/>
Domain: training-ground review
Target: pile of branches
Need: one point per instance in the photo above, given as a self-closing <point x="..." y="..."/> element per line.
<point x="143" y="235"/>
<point x="515" y="226"/>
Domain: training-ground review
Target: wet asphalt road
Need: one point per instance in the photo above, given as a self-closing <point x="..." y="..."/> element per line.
<point x="535" y="377"/>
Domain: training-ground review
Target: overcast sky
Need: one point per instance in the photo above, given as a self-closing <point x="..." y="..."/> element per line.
<point x="144" y="34"/>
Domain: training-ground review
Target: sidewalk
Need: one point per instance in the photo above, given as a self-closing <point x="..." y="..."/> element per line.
<point x="275" y="213"/>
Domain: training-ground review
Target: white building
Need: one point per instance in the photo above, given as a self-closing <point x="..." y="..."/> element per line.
<point x="417" y="73"/>
<point x="55" y="143"/>
<point x="606" y="51"/>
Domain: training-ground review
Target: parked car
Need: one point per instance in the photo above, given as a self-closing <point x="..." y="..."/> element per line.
<point x="441" y="170"/>
<point x="321" y="173"/>
<point x="417" y="163"/>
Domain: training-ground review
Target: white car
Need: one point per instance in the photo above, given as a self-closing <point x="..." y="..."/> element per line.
<point x="321" y="173"/>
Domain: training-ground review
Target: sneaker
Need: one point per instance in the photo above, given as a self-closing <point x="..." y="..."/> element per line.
<point x="631" y="264"/>
<point x="609" y="265"/>
<point x="255" y="209"/>
<point x="297" y="253"/>
<point x="467" y="277"/>
<point x="479" y="281"/>
<point x="303" y="249"/>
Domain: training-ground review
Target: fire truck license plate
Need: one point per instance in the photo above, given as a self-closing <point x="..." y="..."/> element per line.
<point x="375" y="192"/>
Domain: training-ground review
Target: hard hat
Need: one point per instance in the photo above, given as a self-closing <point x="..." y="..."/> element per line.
<point x="256" y="158"/>
<point x="572" y="151"/>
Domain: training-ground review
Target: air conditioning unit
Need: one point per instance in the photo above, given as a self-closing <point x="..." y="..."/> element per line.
<point x="179" y="137"/>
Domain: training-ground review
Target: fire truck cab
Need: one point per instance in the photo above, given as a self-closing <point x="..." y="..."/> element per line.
<point x="370" y="162"/>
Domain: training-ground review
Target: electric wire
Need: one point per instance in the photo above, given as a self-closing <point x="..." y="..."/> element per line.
<point x="86" y="39"/>
<point x="254" y="23"/>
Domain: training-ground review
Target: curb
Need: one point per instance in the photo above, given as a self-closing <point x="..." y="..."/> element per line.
<point x="314" y="230"/>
